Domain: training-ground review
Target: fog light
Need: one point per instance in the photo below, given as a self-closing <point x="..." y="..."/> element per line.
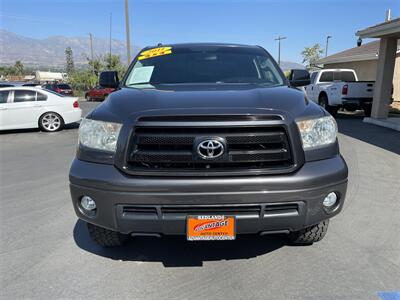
<point x="88" y="203"/>
<point x="330" y="200"/>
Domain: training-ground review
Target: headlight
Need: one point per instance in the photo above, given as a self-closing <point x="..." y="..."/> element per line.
<point x="317" y="132"/>
<point x="99" y="135"/>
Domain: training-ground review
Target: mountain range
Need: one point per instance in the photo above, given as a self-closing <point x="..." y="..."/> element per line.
<point x="50" y="52"/>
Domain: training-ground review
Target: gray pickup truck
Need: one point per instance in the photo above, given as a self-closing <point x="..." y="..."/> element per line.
<point x="208" y="141"/>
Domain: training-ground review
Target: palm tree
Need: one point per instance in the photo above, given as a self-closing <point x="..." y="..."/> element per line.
<point x="19" y="68"/>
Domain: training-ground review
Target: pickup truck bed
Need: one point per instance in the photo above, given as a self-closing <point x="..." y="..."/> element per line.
<point x="334" y="89"/>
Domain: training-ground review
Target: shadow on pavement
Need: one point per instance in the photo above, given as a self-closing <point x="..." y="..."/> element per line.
<point x="353" y="126"/>
<point x="174" y="251"/>
<point x="13" y="131"/>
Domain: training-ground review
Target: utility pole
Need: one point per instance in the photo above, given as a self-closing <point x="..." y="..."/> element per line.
<point x="91" y="50"/>
<point x="110" y="36"/>
<point x="91" y="46"/>
<point x="128" y="38"/>
<point x="327" y="44"/>
<point x="279" y="47"/>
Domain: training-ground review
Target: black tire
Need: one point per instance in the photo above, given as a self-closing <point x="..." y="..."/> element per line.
<point x="105" y="97"/>
<point x="310" y="234"/>
<point x="58" y="122"/>
<point x="323" y="101"/>
<point x="87" y="97"/>
<point x="105" y="237"/>
<point x="367" y="110"/>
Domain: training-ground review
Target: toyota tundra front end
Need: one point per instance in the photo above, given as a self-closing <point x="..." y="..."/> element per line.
<point x="208" y="141"/>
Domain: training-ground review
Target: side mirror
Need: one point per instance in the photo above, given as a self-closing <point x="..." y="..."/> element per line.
<point x="109" y="79"/>
<point x="299" y="77"/>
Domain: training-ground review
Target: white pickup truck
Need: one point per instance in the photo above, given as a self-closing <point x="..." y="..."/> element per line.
<point x="340" y="88"/>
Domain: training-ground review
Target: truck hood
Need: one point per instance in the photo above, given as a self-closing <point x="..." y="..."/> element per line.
<point x="218" y="98"/>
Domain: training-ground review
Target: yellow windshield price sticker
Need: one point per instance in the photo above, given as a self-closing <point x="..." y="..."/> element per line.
<point x="155" y="52"/>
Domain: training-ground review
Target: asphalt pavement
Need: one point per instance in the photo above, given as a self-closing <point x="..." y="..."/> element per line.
<point x="46" y="253"/>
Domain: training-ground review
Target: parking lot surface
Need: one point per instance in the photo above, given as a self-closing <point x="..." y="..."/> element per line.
<point x="46" y="253"/>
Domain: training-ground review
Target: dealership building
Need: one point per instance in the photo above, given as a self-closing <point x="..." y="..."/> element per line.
<point x="377" y="61"/>
<point x="364" y="60"/>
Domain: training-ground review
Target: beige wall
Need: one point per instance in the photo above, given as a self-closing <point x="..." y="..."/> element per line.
<point x="396" y="79"/>
<point x="366" y="70"/>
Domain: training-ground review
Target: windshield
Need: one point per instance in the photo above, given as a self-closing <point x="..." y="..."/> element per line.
<point x="220" y="65"/>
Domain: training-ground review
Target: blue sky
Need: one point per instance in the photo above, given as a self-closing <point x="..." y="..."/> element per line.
<point x="303" y="22"/>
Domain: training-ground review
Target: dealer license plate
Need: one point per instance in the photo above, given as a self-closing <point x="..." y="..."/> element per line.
<point x="210" y="228"/>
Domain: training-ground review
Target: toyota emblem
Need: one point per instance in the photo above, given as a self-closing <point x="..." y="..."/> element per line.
<point x="210" y="149"/>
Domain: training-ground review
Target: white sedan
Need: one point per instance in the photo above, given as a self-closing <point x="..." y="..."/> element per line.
<point x="29" y="107"/>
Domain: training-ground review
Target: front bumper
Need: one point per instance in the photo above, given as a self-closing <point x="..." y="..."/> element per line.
<point x="261" y="204"/>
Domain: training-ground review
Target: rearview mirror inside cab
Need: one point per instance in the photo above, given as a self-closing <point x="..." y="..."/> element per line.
<point x="109" y="79"/>
<point x="299" y="77"/>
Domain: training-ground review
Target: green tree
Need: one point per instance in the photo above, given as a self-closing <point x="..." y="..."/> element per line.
<point x="287" y="73"/>
<point x="18" y="68"/>
<point x="96" y="66"/>
<point x="4" y="71"/>
<point x="311" y="55"/>
<point x="70" y="68"/>
<point x="82" y="80"/>
<point x="113" y="62"/>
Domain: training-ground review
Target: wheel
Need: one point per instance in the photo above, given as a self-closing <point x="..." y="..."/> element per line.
<point x="310" y="234"/>
<point x="105" y="237"/>
<point x="51" y="122"/>
<point x="367" y="110"/>
<point x="105" y="97"/>
<point x="87" y="97"/>
<point x="323" y="101"/>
